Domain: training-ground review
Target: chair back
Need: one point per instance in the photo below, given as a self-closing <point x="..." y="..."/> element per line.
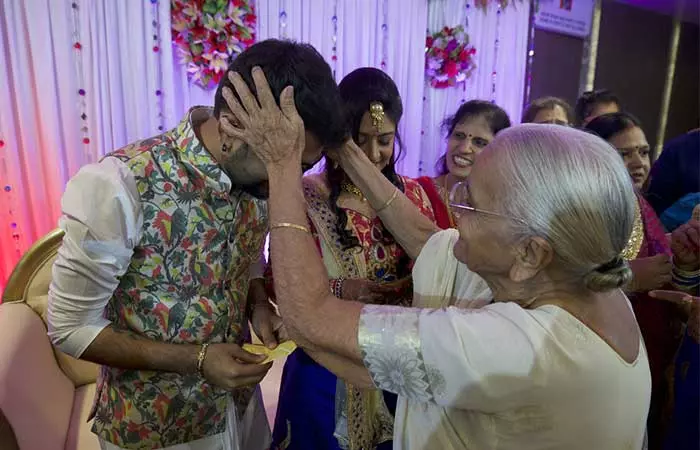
<point x="29" y="283"/>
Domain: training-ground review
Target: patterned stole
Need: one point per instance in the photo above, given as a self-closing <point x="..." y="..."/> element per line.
<point x="363" y="420"/>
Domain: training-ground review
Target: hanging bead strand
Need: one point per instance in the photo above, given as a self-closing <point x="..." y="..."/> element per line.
<point x="530" y="55"/>
<point x="80" y="77"/>
<point x="334" y="40"/>
<point x="494" y="72"/>
<point x="467" y="10"/>
<point x="385" y="34"/>
<point x="8" y="197"/>
<point x="283" y="20"/>
<point x="155" y="24"/>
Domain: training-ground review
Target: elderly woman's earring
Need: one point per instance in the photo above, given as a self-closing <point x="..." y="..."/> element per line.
<point x="225" y="148"/>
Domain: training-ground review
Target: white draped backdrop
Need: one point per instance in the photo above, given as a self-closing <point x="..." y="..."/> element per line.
<point x="130" y="90"/>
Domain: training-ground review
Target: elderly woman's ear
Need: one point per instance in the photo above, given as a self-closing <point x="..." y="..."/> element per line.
<point x="532" y="255"/>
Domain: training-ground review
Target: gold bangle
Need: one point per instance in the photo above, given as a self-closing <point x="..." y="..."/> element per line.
<point x="200" y="359"/>
<point x="388" y="202"/>
<point x="293" y="226"/>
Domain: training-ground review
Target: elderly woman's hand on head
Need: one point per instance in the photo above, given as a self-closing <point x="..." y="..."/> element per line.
<point x="685" y="244"/>
<point x="274" y="133"/>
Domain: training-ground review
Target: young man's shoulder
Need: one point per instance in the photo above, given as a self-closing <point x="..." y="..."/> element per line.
<point x="141" y="149"/>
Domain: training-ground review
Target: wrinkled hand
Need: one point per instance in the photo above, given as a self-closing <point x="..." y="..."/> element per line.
<point x="372" y="292"/>
<point x="688" y="304"/>
<point x="228" y="366"/>
<point x="685" y="244"/>
<point x="650" y="273"/>
<point x="274" y="133"/>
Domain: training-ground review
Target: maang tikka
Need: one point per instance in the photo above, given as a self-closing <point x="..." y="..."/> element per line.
<point x="376" y="114"/>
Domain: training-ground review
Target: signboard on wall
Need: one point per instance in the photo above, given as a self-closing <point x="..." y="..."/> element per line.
<point x="572" y="17"/>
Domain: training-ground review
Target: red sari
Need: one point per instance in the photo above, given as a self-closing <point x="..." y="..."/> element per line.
<point x="443" y="216"/>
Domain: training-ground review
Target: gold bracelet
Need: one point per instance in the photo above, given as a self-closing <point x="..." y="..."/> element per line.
<point x="388" y="202"/>
<point x="293" y="226"/>
<point x="200" y="359"/>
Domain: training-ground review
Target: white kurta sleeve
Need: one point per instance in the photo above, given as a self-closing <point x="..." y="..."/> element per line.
<point x="102" y="220"/>
<point x="458" y="358"/>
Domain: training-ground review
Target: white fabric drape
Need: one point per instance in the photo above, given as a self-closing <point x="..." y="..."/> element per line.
<point x="509" y="64"/>
<point x="40" y="108"/>
<point x="360" y="43"/>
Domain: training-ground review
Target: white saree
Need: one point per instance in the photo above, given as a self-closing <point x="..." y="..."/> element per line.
<point x="498" y="376"/>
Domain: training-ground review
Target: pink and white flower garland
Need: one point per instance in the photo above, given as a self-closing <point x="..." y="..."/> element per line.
<point x="448" y="57"/>
<point x="208" y="33"/>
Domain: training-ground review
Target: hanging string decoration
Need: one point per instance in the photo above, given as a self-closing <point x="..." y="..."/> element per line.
<point x="80" y="77"/>
<point x="530" y="56"/>
<point x="208" y="34"/>
<point x="467" y="8"/>
<point x="283" y="20"/>
<point x="385" y="34"/>
<point x="155" y="24"/>
<point x="496" y="44"/>
<point x="449" y="59"/>
<point x="8" y="197"/>
<point x="334" y="39"/>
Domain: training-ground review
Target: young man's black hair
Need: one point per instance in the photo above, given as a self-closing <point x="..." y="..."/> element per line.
<point x="288" y="63"/>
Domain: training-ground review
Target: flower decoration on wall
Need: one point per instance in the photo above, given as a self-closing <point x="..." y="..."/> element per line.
<point x="449" y="59"/>
<point x="208" y="34"/>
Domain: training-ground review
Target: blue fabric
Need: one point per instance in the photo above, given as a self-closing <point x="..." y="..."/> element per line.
<point x="680" y="212"/>
<point x="307" y="407"/>
<point x="684" y="430"/>
<point x="675" y="174"/>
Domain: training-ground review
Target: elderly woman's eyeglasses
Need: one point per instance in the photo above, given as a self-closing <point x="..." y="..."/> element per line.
<point x="460" y="200"/>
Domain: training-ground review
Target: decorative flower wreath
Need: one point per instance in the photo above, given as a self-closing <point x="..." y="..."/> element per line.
<point x="448" y="57"/>
<point x="209" y="33"/>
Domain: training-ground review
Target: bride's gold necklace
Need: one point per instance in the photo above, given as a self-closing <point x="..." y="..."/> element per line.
<point x="352" y="189"/>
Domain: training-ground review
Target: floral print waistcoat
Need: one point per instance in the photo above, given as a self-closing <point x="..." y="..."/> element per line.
<point x="187" y="283"/>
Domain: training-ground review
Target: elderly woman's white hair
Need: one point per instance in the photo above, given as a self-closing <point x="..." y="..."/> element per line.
<point x="571" y="188"/>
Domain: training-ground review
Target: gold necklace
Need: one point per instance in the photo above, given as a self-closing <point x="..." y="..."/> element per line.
<point x="352" y="189"/>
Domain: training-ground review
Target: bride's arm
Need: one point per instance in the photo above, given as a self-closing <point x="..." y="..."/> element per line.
<point x="403" y="219"/>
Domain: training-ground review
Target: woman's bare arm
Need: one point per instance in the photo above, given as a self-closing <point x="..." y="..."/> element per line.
<point x="405" y="221"/>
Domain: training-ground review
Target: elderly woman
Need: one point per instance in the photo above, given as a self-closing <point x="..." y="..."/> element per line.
<point x="557" y="361"/>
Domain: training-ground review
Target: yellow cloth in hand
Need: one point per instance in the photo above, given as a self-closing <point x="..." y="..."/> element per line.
<point x="282" y="350"/>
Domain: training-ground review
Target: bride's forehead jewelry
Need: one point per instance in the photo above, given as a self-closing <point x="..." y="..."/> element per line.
<point x="376" y="113"/>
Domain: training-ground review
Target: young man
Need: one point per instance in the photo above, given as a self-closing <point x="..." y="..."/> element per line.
<point x="152" y="279"/>
<point x="592" y="104"/>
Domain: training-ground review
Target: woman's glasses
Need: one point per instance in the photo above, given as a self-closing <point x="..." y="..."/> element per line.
<point x="460" y="200"/>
